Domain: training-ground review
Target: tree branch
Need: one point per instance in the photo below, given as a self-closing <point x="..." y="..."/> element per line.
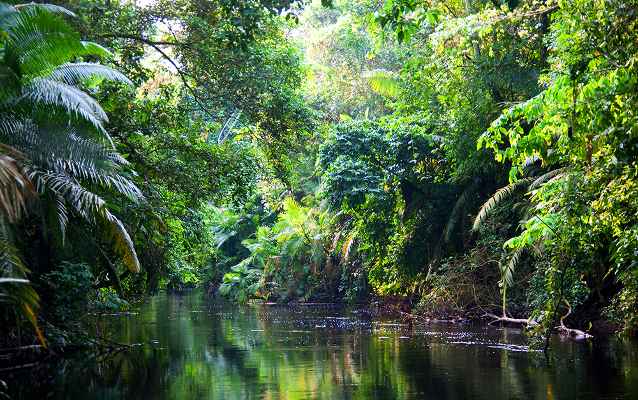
<point x="143" y="40"/>
<point x="156" y="46"/>
<point x="571" y="332"/>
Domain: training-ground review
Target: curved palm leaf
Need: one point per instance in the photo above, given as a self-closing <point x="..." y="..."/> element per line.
<point x="43" y="143"/>
<point x="51" y="8"/>
<point x="15" y="290"/>
<point x="455" y="215"/>
<point x="551" y="175"/>
<point x="15" y="187"/>
<point x="531" y="183"/>
<point x="91" y="207"/>
<point x="75" y="73"/>
<point x="48" y="130"/>
<point x="45" y="92"/>
<point x="507" y="275"/>
<point x="498" y="197"/>
<point x="62" y="213"/>
<point x="347" y="244"/>
<point x="123" y="242"/>
<point x="39" y="40"/>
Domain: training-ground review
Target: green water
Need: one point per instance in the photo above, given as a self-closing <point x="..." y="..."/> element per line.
<point x="190" y="348"/>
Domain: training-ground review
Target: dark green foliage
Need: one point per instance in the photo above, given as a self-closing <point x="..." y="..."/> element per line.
<point x="355" y="163"/>
<point x="391" y="182"/>
<point x="66" y="290"/>
<point x="107" y="300"/>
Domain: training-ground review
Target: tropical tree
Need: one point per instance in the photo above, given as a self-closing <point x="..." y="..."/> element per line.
<point x="54" y="146"/>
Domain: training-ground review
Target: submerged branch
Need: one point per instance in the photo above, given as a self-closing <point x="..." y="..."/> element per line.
<point x="577" y="334"/>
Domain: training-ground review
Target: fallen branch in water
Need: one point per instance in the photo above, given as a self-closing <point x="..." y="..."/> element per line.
<point x="577" y="334"/>
<point x="506" y="319"/>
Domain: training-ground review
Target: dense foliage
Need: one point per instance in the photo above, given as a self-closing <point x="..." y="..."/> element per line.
<point x="472" y="157"/>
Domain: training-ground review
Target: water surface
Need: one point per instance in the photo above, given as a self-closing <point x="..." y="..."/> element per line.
<point x="190" y="348"/>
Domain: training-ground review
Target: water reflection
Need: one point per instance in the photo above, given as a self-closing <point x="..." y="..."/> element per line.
<point x="196" y="350"/>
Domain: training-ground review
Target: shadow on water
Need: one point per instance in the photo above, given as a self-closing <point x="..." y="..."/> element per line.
<point x="192" y="349"/>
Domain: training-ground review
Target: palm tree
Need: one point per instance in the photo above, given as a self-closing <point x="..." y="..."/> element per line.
<point x="53" y="144"/>
<point x="529" y="184"/>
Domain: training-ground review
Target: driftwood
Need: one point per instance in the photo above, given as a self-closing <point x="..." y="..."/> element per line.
<point x="562" y="329"/>
<point x="576" y="334"/>
<point x="509" y="320"/>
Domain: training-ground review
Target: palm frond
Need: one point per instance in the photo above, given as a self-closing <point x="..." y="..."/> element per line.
<point x="12" y="125"/>
<point x="15" y="289"/>
<point x="47" y="92"/>
<point x="87" y="204"/>
<point x="63" y="215"/>
<point x="91" y="207"/>
<point x="498" y="197"/>
<point x="15" y="188"/>
<point x="123" y="242"/>
<point x="507" y="269"/>
<point x="554" y="174"/>
<point x="56" y="127"/>
<point x="456" y="212"/>
<point x="86" y="170"/>
<point x="507" y="275"/>
<point x="39" y="40"/>
<point x="75" y="73"/>
<point x="347" y="245"/>
<point x="43" y="143"/>
<point x="51" y="8"/>
<point x="384" y="82"/>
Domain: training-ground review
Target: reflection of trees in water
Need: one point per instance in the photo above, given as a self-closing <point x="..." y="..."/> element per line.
<point x="275" y="353"/>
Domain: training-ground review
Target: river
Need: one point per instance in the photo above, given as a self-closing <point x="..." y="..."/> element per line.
<point x="190" y="348"/>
